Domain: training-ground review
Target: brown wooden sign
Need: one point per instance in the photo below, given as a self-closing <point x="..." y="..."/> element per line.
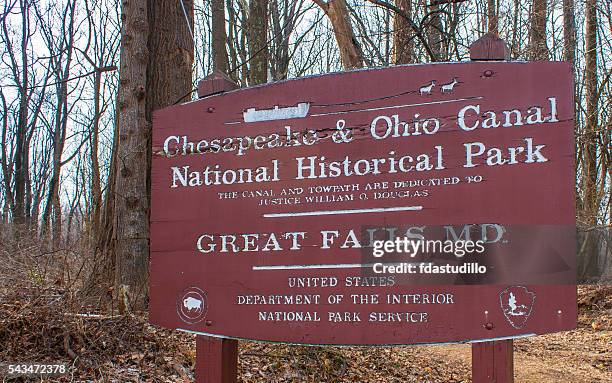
<point x="266" y="203"/>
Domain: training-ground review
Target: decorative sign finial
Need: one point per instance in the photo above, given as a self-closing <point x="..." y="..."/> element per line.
<point x="214" y="83"/>
<point x="489" y="47"/>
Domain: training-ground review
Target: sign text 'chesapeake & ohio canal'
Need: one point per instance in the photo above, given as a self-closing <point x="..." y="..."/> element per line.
<point x="383" y="127"/>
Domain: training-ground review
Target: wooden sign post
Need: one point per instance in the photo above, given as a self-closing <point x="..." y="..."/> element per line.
<point x="216" y="358"/>
<point x="492" y="361"/>
<point x="273" y="207"/>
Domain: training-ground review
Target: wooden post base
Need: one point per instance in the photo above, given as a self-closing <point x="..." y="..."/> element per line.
<point x="216" y="360"/>
<point x="493" y="362"/>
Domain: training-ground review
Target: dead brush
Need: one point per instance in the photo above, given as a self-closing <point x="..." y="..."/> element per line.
<point x="38" y="290"/>
<point x="49" y="315"/>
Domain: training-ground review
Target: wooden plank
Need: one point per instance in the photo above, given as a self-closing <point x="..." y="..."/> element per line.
<point x="493" y="362"/>
<point x="260" y="198"/>
<point x="216" y="360"/>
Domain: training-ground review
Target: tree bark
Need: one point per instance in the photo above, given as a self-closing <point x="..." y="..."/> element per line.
<point x="537" y="49"/>
<point x="569" y="31"/>
<point x="21" y="159"/>
<point x="591" y="110"/>
<point x="96" y="189"/>
<point x="131" y="208"/>
<point x="171" y="47"/>
<point x="590" y="167"/>
<point x="403" y="36"/>
<point x="282" y="23"/>
<point x="420" y="34"/>
<point x="493" y="16"/>
<point x="434" y="34"/>
<point x="257" y="32"/>
<point x="156" y="69"/>
<point x="102" y="275"/>
<point x="6" y="171"/>
<point x="219" y="36"/>
<point x="338" y="14"/>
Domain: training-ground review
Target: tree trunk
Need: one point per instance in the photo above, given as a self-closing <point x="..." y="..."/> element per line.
<point x="219" y="36"/>
<point x="6" y="171"/>
<point x="52" y="216"/>
<point x="257" y="31"/>
<point x="61" y="66"/>
<point x="589" y="169"/>
<point x="131" y="209"/>
<point x="515" y="46"/>
<point x="537" y="49"/>
<point x="569" y="32"/>
<point x="171" y="47"/>
<point x="493" y="16"/>
<point x="434" y="34"/>
<point x="350" y="52"/>
<point x="21" y="148"/>
<point x="102" y="274"/>
<point x="403" y="36"/>
<point x="96" y="189"/>
<point x="156" y="69"/>
<point x="282" y="23"/>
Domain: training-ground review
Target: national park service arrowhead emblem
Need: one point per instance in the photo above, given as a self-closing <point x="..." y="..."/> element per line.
<point x="517" y="303"/>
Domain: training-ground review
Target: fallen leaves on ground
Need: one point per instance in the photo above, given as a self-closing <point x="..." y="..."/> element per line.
<point x="107" y="348"/>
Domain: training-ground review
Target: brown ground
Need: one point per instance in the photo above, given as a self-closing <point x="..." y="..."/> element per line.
<point x="108" y="349"/>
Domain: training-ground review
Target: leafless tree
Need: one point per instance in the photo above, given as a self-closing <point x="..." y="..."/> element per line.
<point x="75" y="131"/>
<point x="156" y="64"/>
<point x="537" y="31"/>
<point x="257" y="33"/>
<point x="219" y="36"/>
<point x="348" y="45"/>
